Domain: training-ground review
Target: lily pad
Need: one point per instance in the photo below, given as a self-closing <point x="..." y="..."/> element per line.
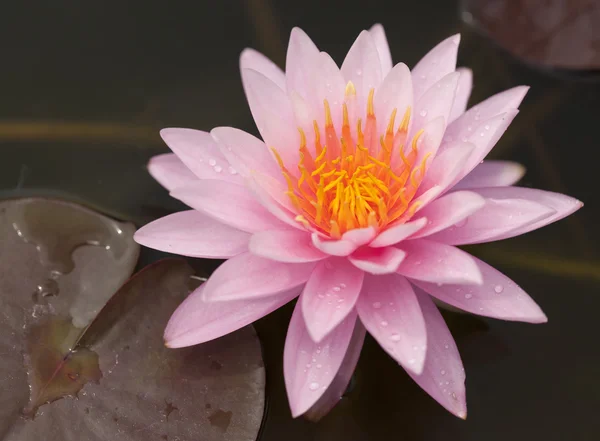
<point x="114" y="379"/>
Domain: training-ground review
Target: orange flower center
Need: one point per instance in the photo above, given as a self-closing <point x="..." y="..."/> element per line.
<point x="347" y="182"/>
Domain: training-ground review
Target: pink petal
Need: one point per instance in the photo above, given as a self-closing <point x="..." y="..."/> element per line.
<point x="492" y="174"/>
<point x="394" y="93"/>
<point x="563" y="205"/>
<point x="496" y="219"/>
<point x="291" y="246"/>
<point x="228" y="203"/>
<point x="245" y="153"/>
<point x="443" y="375"/>
<point x="247" y="276"/>
<point x="363" y="67"/>
<point x="309" y="368"/>
<point x="398" y="233"/>
<point x="484" y="137"/>
<point x="377" y="260"/>
<point x="438" y="263"/>
<point x="389" y="309"/>
<point x="496" y="105"/>
<point x="383" y="49"/>
<point x="498" y="297"/>
<point x="439" y="62"/>
<point x="429" y="142"/>
<point x="199" y="152"/>
<point x="463" y="92"/>
<point x="329" y="296"/>
<point x="443" y="171"/>
<point x="436" y="102"/>
<point x="339" y="385"/>
<point x="169" y="171"/>
<point x="448" y="210"/>
<point x="349" y="241"/>
<point x="327" y="83"/>
<point x="273" y="115"/>
<point x="264" y="189"/>
<point x="196" y="321"/>
<point x="251" y="59"/>
<point x="191" y="233"/>
<point x="302" y="57"/>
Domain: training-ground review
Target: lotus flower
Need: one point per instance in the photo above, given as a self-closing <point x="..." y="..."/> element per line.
<point x="367" y="178"/>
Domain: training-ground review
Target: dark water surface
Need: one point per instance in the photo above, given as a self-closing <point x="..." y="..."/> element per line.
<point x="85" y="87"/>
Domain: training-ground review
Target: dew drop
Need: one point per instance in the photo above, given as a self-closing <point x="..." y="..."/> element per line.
<point x="337" y="288"/>
<point x="384" y="323"/>
<point x="482" y="134"/>
<point x="395" y="337"/>
<point x="498" y="289"/>
<point x="376" y="305"/>
<point x="343" y="285"/>
<point x="308" y="365"/>
<point x="443" y="372"/>
<point x="218" y="168"/>
<point x="212" y="162"/>
<point x="321" y="295"/>
<point x="412" y="361"/>
<point x="446" y="346"/>
<point x="423" y="113"/>
<point x="319" y="366"/>
<point x="314" y="360"/>
<point x="469" y="128"/>
<point x="468" y="296"/>
<point x="232" y="170"/>
<point x="358" y="72"/>
<point x="487" y="127"/>
<point x="313" y="386"/>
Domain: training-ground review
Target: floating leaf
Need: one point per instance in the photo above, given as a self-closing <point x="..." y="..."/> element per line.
<point x="555" y="33"/>
<point x="114" y="380"/>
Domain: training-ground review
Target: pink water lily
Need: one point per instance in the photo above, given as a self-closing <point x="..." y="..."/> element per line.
<point x="368" y="178"/>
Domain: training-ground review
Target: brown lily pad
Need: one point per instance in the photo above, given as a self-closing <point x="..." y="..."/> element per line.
<point x="113" y="379"/>
<point x="554" y="33"/>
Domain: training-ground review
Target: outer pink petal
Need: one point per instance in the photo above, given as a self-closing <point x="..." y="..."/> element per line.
<point x="377" y="260"/>
<point x="338" y="386"/>
<point x="263" y="188"/>
<point x="251" y="59"/>
<point x="196" y="321"/>
<point x="443" y="375"/>
<point x="389" y="309"/>
<point x="444" y="169"/>
<point x="169" y="171"/>
<point x="394" y="93"/>
<point x="310" y="368"/>
<point x="302" y="58"/>
<point x="245" y="153"/>
<point x="492" y="174"/>
<point x="229" y="203"/>
<point x="436" y="102"/>
<point x="383" y="49"/>
<point x="398" y="233"/>
<point x="191" y="233"/>
<point x="438" y="263"/>
<point x="448" y="210"/>
<point x="563" y="205"/>
<point x="498" y="297"/>
<point x="484" y="137"/>
<point x="496" y="219"/>
<point x="199" y="152"/>
<point x="428" y="143"/>
<point x="327" y="83"/>
<point x="329" y="296"/>
<point x="292" y="246"/>
<point x="438" y="62"/>
<point x="363" y="67"/>
<point x="247" y="276"/>
<point x="495" y="105"/>
<point x="463" y="92"/>
<point x="273" y="115"/>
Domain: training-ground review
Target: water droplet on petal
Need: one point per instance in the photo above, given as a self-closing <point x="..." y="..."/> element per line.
<point x="468" y="296"/>
<point x="384" y="323"/>
<point x="446" y="346"/>
<point x="313" y="386"/>
<point x="443" y="372"/>
<point x="232" y="170"/>
<point x="376" y="305"/>
<point x="212" y="162"/>
<point x="337" y="288"/>
<point x="487" y="127"/>
<point x="343" y="285"/>
<point x="319" y="366"/>
<point x="498" y="289"/>
<point x="395" y="337"/>
<point x="218" y="168"/>
<point x="423" y="113"/>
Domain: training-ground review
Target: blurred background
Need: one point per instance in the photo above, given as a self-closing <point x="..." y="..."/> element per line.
<point x="86" y="86"/>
